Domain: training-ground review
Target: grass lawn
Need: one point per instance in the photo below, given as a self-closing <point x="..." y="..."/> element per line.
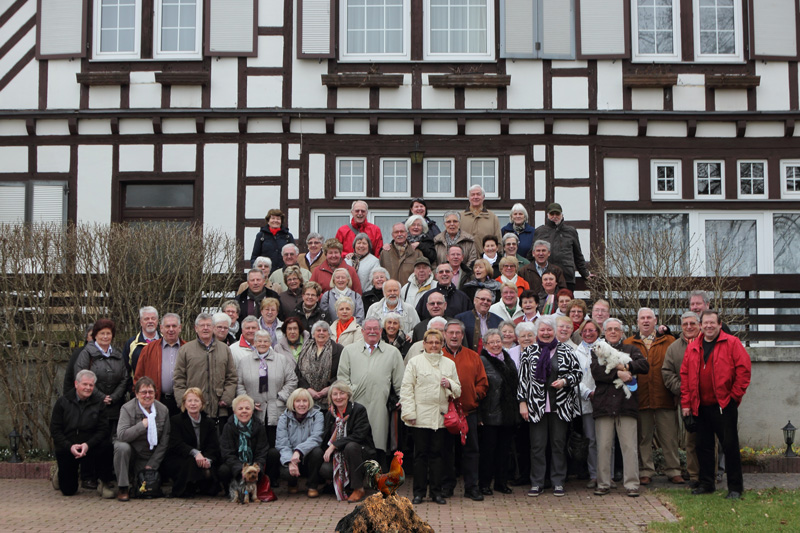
<point x="763" y="510"/>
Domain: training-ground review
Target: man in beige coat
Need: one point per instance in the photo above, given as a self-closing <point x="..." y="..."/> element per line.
<point x="477" y="220"/>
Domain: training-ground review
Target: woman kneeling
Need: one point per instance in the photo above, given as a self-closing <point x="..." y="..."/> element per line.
<point x="298" y="438"/>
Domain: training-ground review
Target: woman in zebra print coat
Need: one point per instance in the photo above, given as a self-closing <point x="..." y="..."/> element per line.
<point x="549" y="375"/>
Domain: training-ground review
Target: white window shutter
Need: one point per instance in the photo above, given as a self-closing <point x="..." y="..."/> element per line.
<point x="12" y="204"/>
<point x="602" y="27"/>
<point x="61" y="32"/>
<point x="517" y="28"/>
<point x="231" y="28"/>
<point x="48" y="203"/>
<point x="316" y="29"/>
<point x="557" y="29"/>
<point x="774" y="29"/>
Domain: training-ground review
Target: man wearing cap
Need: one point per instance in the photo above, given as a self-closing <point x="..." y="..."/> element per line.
<point x="399" y="259"/>
<point x="420" y="282"/>
<point x="565" y="247"/>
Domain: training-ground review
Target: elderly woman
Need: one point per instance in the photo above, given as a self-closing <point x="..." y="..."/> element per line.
<point x="346" y="329"/>
<point x="309" y="310"/>
<point x="429" y="381"/>
<point x="518" y="226"/>
<point x="379" y="276"/>
<point x="299" y="437"/>
<point x="243" y="441"/>
<point x="363" y="260"/>
<point x="526" y="335"/>
<point x="393" y="334"/>
<point x="420" y="207"/>
<point x="497" y="414"/>
<point x="549" y="375"/>
<point x="232" y="309"/>
<point x="245" y="346"/>
<point x="481" y="279"/>
<point x="294" y="336"/>
<point x="451" y="235"/>
<point x="418" y="237"/>
<point x="272" y="238"/>
<point x="193" y="457"/>
<point x="490" y="249"/>
<point x="564" y="331"/>
<point x="222" y="324"/>
<point x="341" y="287"/>
<point x="347" y="441"/>
<point x="109" y="367"/>
<point x="264" y="264"/>
<point x="529" y="302"/>
<point x="318" y="363"/>
<point x="269" y="322"/>
<point x="589" y="332"/>
<point x="510" y="244"/>
<point x="268" y="377"/>
<point x="577" y="311"/>
<point x="293" y="295"/>
<point x="509" y="267"/>
<point x="508" y="334"/>
<point x="563" y="298"/>
<point x="508" y="307"/>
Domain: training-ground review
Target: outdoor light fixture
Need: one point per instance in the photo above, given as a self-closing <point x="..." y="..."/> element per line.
<point x="788" y="438"/>
<point x="416" y="154"/>
<point x="13" y="443"/>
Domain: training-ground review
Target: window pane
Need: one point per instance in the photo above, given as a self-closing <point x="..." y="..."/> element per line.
<point x="672" y="228"/>
<point x="328" y="225"/>
<point x="458" y="26"/>
<point x="786" y="242"/>
<point x="730" y="247"/>
<point x="792" y="178"/>
<point x="159" y="195"/>
<point x="367" y="23"/>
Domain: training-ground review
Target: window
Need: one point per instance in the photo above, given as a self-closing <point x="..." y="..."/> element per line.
<point x="622" y="228"/>
<point x="177" y="24"/>
<point x="656" y="30"/>
<point x="395" y="177"/>
<point x="33" y="202"/>
<point x="459" y="29"/>
<point x="790" y="179"/>
<point x="375" y="29"/>
<point x="483" y="172"/>
<point x="158" y="202"/>
<point x="752" y="179"/>
<point x="351" y="177"/>
<point x="709" y="181"/>
<point x="439" y="178"/>
<point x="665" y="180"/>
<point x="718" y="30"/>
<point x="537" y="29"/>
<point x="117" y="29"/>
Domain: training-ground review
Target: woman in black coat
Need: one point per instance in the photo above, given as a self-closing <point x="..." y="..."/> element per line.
<point x="271" y="239"/>
<point x="193" y="457"/>
<point x="234" y="451"/>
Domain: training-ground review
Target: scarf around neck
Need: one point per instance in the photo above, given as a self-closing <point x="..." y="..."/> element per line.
<point x="245" y="434"/>
<point x="152" y="429"/>
<point x="546" y="354"/>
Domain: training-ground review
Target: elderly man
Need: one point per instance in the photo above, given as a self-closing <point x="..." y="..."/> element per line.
<point x="461" y="272"/>
<point x="372" y="369"/>
<point x="477" y="220"/>
<point x="80" y="433"/>
<point x="314" y="257"/>
<point x="479" y="316"/>
<point x="715" y="375"/>
<point x="601" y="311"/>
<point x="436" y="306"/>
<point x="358" y="224"/>
<point x="453" y="234"/>
<point x="699" y="302"/>
<point x="148" y="320"/>
<point x="532" y="272"/>
<point x="657" y="416"/>
<point x="419" y="283"/>
<point x="207" y="364"/>
<point x="400" y="258"/>
<point x="671" y="372"/>
<point x="474" y="386"/>
<point x="565" y="246"/>
<point x="142" y="436"/>
<point x="457" y="301"/>
<point x="333" y="260"/>
<point x="290" y="254"/>
<point x="250" y="300"/>
<point x="392" y="303"/>
<point x="157" y="361"/>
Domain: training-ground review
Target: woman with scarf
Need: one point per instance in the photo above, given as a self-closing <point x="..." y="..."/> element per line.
<point x="341" y="287"/>
<point x="294" y="337"/>
<point x="393" y="334"/>
<point x="509" y="268"/>
<point x="363" y="260"/>
<point x="270" y="307"/>
<point x="518" y="225"/>
<point x="420" y="207"/>
<point x="497" y="415"/>
<point x="346" y="329"/>
<point x="418" y="237"/>
<point x="243" y="441"/>
<point x="451" y="235"/>
<point x="347" y="441"/>
<point x="318" y="363"/>
<point x="508" y="307"/>
<point x="589" y="332"/>
<point x="481" y="279"/>
<point x="577" y="311"/>
<point x="298" y="442"/>
<point x="549" y="376"/>
<point x="309" y="309"/>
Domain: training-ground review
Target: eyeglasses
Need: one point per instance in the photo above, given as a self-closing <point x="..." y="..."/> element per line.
<point x="435" y="304"/>
<point x="148" y="392"/>
<point x="509" y="266"/>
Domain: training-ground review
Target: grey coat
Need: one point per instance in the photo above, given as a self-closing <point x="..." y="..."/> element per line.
<point x="282" y="381"/>
<point x="302" y="436"/>
<point x="132" y="431"/>
<point x="112" y="375"/>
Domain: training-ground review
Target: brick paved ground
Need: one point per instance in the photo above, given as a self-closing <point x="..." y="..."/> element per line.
<point x="32" y="505"/>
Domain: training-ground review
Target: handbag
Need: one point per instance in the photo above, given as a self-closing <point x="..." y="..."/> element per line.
<point x="264" y="490"/>
<point x="690" y="423"/>
<point x="455" y="421"/>
<point x="148" y="484"/>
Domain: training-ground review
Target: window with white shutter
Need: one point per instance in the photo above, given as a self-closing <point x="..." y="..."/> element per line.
<point x="33" y="202"/>
<point x="49" y="203"/>
<point x="557" y="29"/>
<point x="61" y="31"/>
<point x="315" y="32"/>
<point x="12" y="203"/>
<point x="232" y="28"/>
<point x="518" y="27"/>
<point x="774" y="29"/>
<point x="537" y="29"/>
<point x="603" y="25"/>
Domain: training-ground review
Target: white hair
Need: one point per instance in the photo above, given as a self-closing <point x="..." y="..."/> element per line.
<point x="518" y="208"/>
<point x="147" y="309"/>
<point x="262" y="261"/>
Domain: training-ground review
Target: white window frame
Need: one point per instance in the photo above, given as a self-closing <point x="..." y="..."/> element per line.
<point x="640" y="57"/>
<point x="785" y="192"/>
<point x="197" y="53"/>
<point x="737" y="56"/>
<point x="739" y="192"/>
<point x="316" y="213"/>
<point x="676" y="165"/>
<point x="496" y="162"/>
<point x="405" y="55"/>
<point x="97" y="55"/>
<point x="450" y="57"/>
<point x="351" y="194"/>
<point x="452" y="193"/>
<point x="721" y="195"/>
<point x="386" y="194"/>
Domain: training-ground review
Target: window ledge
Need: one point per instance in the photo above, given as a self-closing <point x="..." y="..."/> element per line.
<point x="362" y="80"/>
<point x="103" y="78"/>
<point x="473" y="81"/>
<point x="732" y="81"/>
<point x="649" y="81"/>
<point x="183" y="78"/>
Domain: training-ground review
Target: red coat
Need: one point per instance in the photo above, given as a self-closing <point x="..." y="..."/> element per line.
<point x="150" y="364"/>
<point x="731" y="366"/>
<point x="323" y="274"/>
<point x="345" y="236"/>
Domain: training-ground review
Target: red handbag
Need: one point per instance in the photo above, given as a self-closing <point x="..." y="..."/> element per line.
<point x="264" y="490"/>
<point x="455" y="421"/>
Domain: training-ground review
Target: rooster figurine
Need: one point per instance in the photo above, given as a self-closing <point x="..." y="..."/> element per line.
<point x="387" y="483"/>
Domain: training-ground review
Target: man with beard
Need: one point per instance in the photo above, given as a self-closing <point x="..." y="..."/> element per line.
<point x="391" y="303"/>
<point x="148" y="320"/>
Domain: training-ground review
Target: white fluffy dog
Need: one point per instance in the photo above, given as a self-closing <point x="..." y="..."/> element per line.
<point x="610" y="357"/>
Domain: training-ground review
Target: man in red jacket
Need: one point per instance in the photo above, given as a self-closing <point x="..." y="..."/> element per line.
<point x="714" y="377"/>
<point x="358" y="224"/>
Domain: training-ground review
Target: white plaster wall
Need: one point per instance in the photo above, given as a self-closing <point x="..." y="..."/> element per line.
<point x="563" y="63"/>
<point x="571" y="127"/>
<point x="18" y="51"/>
<point x="316" y="175"/>
<point x="14" y="158"/>
<point x="773" y="91"/>
<point x="540" y="188"/>
<point x="52" y="159"/>
<point x="526" y="127"/>
<point x="575" y="201"/>
<point x="222" y="125"/>
<point x="63" y="89"/>
<point x="293" y="184"/>
<point x="395" y="127"/>
<point x="15" y="22"/>
<point x="571" y="161"/>
<point x="482" y="127"/>
<point x="294" y="151"/>
<point x="94" y="184"/>
<point x="219" y="197"/>
<point x="480" y="98"/>
<point x="570" y="93"/>
<point x="270" y="52"/>
<point x="270" y="12"/>
<point x="527" y="84"/>
<point x="264" y="91"/>
<point x="264" y="125"/>
<point x="764" y="129"/>
<point x="294" y="221"/>
<point x="433" y="98"/>
<point x="307" y="88"/>
<point x="18" y="94"/>
<point x="584" y="236"/>
<point x="186" y="96"/>
<point x="12" y="127"/>
<point x="439" y="127"/>
<point x="690" y="93"/>
<point x="94" y="127"/>
<point x="352" y="98"/>
<point x="104" y="97"/>
<point x="136" y="157"/>
<point x="263" y="160"/>
<point x="261" y="198"/>
<point x="716" y="129"/>
<point x="399" y="98"/>
<point x="516" y="174"/>
<point x="224" y="82"/>
<point x="134" y="126"/>
<point x="647" y="99"/>
<point x="730" y="99"/>
<point x="351" y="126"/>
<point x="52" y="127"/>
<point x="306" y="125"/>
<point x="145" y="92"/>
<point x="539" y="152"/>
<point x="609" y="84"/>
<point x="620" y="179"/>
<point x="623" y="128"/>
<point x="656" y="128"/>
<point x="179" y="158"/>
<point x="179" y="125"/>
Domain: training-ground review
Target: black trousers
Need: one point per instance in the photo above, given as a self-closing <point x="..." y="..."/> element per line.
<point x="98" y="459"/>
<point x="309" y="467"/>
<point x="174" y="409"/>
<point x="354" y="456"/>
<point x="428" y="445"/>
<point x="469" y="454"/>
<point x="522" y="451"/>
<point x="188" y="478"/>
<point x="495" y="446"/>
<point x="722" y="423"/>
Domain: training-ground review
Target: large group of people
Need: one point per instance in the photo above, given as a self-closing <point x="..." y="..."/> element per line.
<point x="354" y="348"/>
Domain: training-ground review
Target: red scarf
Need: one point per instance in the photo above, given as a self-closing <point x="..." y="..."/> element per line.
<point x="341" y="326"/>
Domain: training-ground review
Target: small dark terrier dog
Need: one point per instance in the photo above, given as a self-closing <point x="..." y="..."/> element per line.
<point x="244" y="490"/>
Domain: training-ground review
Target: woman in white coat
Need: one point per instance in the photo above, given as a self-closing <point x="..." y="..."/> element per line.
<point x="346" y="330"/>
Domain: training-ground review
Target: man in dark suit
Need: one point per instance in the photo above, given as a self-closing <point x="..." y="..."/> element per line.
<point x="481" y="317"/>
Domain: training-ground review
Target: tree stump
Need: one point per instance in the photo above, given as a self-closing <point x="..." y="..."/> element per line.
<point x="394" y="514"/>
